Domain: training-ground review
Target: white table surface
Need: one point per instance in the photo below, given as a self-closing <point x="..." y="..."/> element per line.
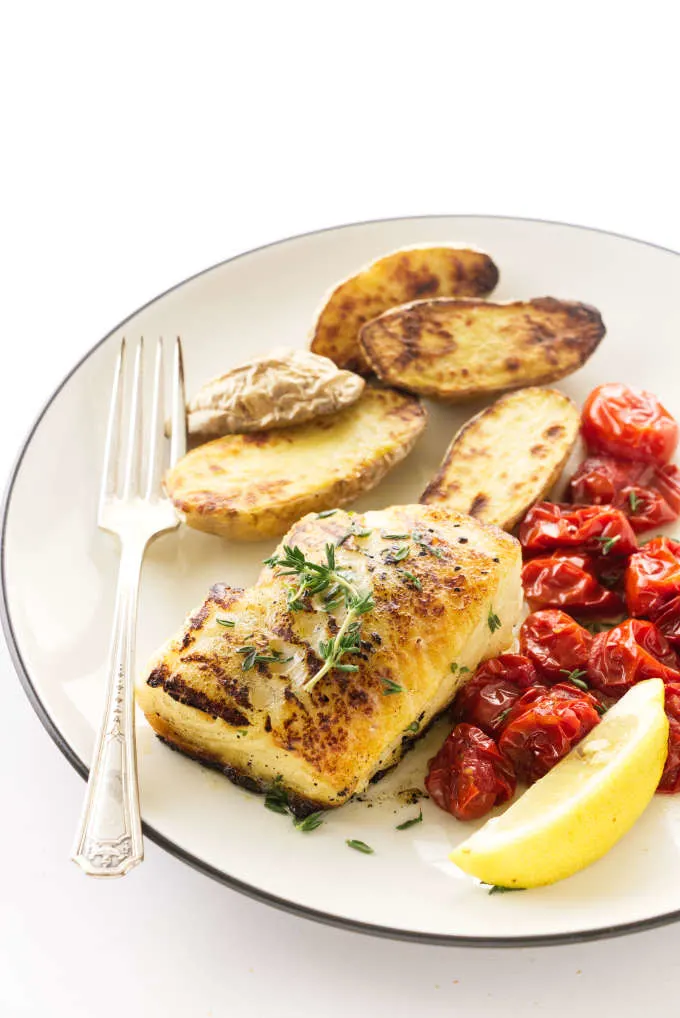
<point x="144" y="143"/>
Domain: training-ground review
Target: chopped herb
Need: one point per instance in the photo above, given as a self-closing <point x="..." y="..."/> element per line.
<point x="276" y="798"/>
<point x="600" y="708"/>
<point x="309" y="823"/>
<point x="326" y="513"/>
<point x="352" y="532"/>
<point x="393" y="555"/>
<point x="502" y="716"/>
<point x="453" y="666"/>
<point x="499" y="889"/>
<point x="225" y="622"/>
<point x="328" y="580"/>
<point x="463" y="670"/>
<point x="360" y="846"/>
<point x="608" y="542"/>
<point x="575" y="677"/>
<point x="390" y="687"/>
<point x="420" y="540"/>
<point x="410" y="578"/>
<point x="494" y="621"/>
<point x="634" y="501"/>
<point x="396" y="537"/>
<point x="411" y="823"/>
<point x="599" y="626"/>
<point x="241" y="732"/>
<point x="414" y="726"/>
<point x="252" y="657"/>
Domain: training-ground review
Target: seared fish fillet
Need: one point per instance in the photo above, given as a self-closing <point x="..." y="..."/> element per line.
<point x="449" y="603"/>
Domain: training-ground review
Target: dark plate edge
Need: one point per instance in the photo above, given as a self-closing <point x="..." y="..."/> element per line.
<point x="248" y="889"/>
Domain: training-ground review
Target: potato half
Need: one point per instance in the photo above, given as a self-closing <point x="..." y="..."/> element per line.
<point x="454" y="349"/>
<point x="398" y="277"/>
<point x="252" y="486"/>
<point x="507" y="457"/>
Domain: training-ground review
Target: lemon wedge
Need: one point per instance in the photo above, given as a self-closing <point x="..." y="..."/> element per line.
<point x="581" y="808"/>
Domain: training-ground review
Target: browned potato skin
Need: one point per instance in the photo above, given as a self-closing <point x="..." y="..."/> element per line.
<point x="507" y="457"/>
<point x="455" y="349"/>
<point x="398" y="277"/>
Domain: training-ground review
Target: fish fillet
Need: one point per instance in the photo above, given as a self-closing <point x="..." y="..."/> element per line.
<point x="443" y="606"/>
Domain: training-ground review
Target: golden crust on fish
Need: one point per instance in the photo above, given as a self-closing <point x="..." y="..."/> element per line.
<point x="431" y="611"/>
<point x="399" y="277"/>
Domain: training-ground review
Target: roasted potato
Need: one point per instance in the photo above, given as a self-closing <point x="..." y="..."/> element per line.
<point x="507" y="457"/>
<point x="454" y="349"/>
<point x="252" y="486"/>
<point x="398" y="277"/>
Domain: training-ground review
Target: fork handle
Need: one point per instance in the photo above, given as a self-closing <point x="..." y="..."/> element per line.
<point x="109" y="840"/>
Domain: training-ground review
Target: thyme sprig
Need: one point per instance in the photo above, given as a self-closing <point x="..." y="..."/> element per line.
<point x="327" y="580"/>
<point x="252" y="657"/>
<point x="607" y="543"/>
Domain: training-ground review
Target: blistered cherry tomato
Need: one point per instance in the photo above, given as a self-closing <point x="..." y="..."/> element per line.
<point x="670" y="779"/>
<point x="555" y="643"/>
<point x="629" y="423"/>
<point x="667" y="620"/>
<point x="653" y="577"/>
<point x="543" y="726"/>
<point x="628" y="653"/>
<point x="484" y="701"/>
<point x="649" y="495"/>
<point x="599" y="529"/>
<point x="468" y="776"/>
<point x="568" y="580"/>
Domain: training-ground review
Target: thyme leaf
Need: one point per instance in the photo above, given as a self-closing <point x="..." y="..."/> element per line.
<point x="359" y="846"/>
<point x="410" y="578"/>
<point x="493" y="620"/>
<point x="410" y="823"/>
<point x="390" y="687"/>
<point x="252" y="657"/>
<point x="309" y="823"/>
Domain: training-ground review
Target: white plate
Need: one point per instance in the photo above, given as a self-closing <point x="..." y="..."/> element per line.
<point x="58" y="575"/>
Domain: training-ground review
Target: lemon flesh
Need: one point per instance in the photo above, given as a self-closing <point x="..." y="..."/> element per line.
<point x="581" y="808"/>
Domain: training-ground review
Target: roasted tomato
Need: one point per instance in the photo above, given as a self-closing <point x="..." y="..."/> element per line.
<point x="667" y="620"/>
<point x="629" y="423"/>
<point x="628" y="653"/>
<point x="598" y="529"/>
<point x="468" y="776"/>
<point x="544" y="725"/>
<point x="653" y="577"/>
<point x="485" y="700"/>
<point x="670" y="779"/>
<point x="568" y="580"/>
<point x="555" y="644"/>
<point x="649" y="495"/>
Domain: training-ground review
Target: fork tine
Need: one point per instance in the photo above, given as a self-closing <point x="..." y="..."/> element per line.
<point x="109" y="482"/>
<point x="157" y="444"/>
<point x="135" y="434"/>
<point x="178" y="408"/>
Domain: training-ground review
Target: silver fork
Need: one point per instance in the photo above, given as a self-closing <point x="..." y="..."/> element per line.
<point x="133" y="505"/>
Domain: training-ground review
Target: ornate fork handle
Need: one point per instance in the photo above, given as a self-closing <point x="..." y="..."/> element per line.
<point x="109" y="840"/>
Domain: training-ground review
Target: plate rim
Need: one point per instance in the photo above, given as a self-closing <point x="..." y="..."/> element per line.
<point x="251" y="890"/>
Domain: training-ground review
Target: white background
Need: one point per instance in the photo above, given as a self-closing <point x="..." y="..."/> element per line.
<point x="141" y="143"/>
